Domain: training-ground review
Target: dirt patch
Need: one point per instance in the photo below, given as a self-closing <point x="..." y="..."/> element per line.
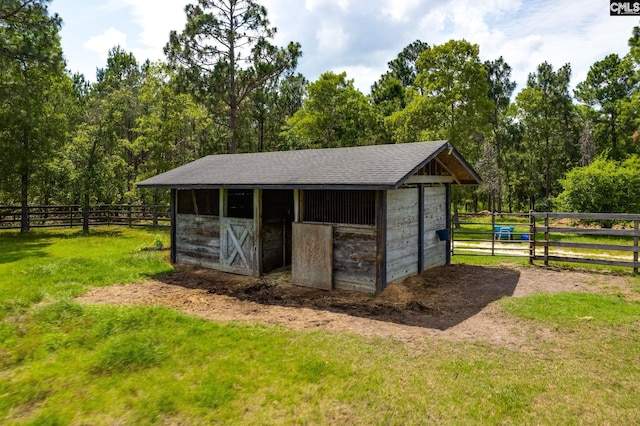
<point x="454" y="302"/>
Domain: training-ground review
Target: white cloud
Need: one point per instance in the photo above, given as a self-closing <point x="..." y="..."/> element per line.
<point x="332" y="37"/>
<point x="363" y="77"/>
<point x="105" y="41"/>
<point x="361" y="36"/>
<point x="400" y="11"/>
<point x="157" y="18"/>
<point x="312" y="5"/>
<point x="154" y="20"/>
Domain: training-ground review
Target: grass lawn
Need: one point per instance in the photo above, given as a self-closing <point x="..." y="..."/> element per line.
<point x="62" y="362"/>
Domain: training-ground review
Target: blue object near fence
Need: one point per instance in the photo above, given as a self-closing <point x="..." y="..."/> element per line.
<point x="503" y="231"/>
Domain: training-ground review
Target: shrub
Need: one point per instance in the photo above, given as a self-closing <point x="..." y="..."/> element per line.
<point x="604" y="186"/>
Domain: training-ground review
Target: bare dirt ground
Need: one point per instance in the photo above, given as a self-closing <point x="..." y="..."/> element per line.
<point x="455" y="302"/>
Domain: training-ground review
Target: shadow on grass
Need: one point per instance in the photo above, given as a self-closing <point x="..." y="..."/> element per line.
<point x="16" y="246"/>
<point x="440" y="298"/>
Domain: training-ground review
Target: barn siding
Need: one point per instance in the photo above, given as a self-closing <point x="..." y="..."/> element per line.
<point x="435" y="217"/>
<point x="198" y="240"/>
<point x="402" y="233"/>
<point x="272" y="244"/>
<point x="354" y="257"/>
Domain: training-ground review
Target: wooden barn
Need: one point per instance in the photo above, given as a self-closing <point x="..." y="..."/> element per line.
<point x="348" y="218"/>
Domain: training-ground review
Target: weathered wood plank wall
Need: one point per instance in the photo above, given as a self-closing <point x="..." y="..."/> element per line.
<point x="435" y="217"/>
<point x="198" y="240"/>
<point x="402" y="233"/>
<point x="354" y="257"/>
<point x="272" y="246"/>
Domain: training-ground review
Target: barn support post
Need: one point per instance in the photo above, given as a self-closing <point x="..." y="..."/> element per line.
<point x="420" y="228"/>
<point x="173" y="216"/>
<point x="381" y="240"/>
<point x="257" y="224"/>
<point x="448" y="223"/>
<point x="222" y="199"/>
<point x="296" y="205"/>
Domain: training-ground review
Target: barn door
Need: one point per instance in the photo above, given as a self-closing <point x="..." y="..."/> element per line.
<point x="237" y="252"/>
<point x="312" y="260"/>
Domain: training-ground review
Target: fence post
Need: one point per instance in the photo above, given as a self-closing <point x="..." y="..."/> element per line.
<point x="532" y="237"/>
<point x="546" y="239"/>
<point x="130" y="215"/>
<point x="635" y="246"/>
<point x="155" y="215"/>
<point x="493" y="232"/>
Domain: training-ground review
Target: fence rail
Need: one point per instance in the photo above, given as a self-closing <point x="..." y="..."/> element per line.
<point x="613" y="247"/>
<point x="551" y="237"/>
<point x="486" y="234"/>
<point x="71" y="215"/>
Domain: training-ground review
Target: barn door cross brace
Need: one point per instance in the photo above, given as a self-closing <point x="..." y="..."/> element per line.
<point x="237" y="246"/>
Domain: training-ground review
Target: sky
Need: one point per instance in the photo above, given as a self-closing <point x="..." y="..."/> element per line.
<point x="361" y="36"/>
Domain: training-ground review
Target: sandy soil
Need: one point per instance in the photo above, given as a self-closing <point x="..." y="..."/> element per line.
<point x="456" y="302"/>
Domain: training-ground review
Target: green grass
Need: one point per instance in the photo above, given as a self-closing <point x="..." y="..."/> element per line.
<point x="61" y="264"/>
<point x="485" y="260"/>
<point x="568" y="310"/>
<point x="66" y="363"/>
<point x="475" y="238"/>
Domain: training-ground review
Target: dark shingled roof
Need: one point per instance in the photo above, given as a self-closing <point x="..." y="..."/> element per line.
<point x="363" y="167"/>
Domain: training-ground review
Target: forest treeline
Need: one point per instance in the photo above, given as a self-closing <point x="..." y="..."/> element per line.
<point x="226" y="88"/>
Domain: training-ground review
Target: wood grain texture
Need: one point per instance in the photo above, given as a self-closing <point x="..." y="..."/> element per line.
<point x="312" y="259"/>
<point x="435" y="217"/>
<point x="402" y="233"/>
<point x="237" y="254"/>
<point x="354" y="257"/>
<point x="197" y="240"/>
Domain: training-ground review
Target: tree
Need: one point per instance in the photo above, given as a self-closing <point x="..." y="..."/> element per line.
<point x="607" y="86"/>
<point x="500" y="90"/>
<point x="546" y="112"/>
<point x="449" y="100"/>
<point x="224" y="52"/>
<point x="271" y="106"/>
<point x="335" y="114"/>
<point x="171" y="129"/>
<point x="388" y="93"/>
<point x="31" y="83"/>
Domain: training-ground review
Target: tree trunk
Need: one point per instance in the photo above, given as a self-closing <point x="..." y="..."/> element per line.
<point x="24" y="202"/>
<point x="233" y="122"/>
<point x="456" y="216"/>
<point x="261" y="136"/>
<point x="24" y="185"/>
<point x="548" y="169"/>
<point x="85" y="212"/>
<point x="233" y="93"/>
<point x="614" y="136"/>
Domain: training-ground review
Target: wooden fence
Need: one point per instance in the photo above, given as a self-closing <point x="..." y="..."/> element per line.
<point x="71" y="215"/>
<point x="487" y="234"/>
<point x="551" y="237"/>
<point x="558" y="236"/>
